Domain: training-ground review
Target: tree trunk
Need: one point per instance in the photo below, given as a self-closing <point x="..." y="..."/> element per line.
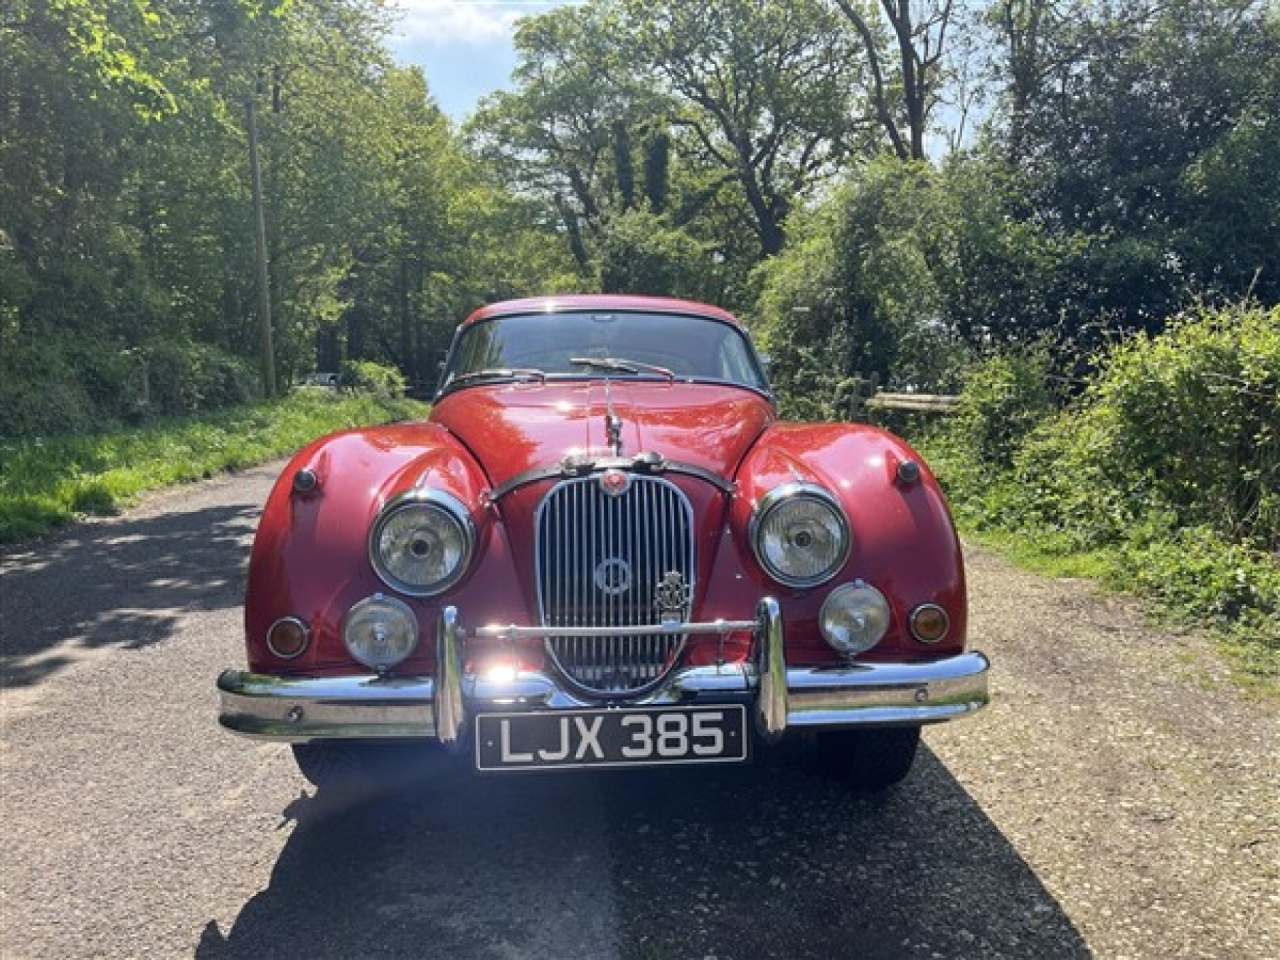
<point x="266" y="343"/>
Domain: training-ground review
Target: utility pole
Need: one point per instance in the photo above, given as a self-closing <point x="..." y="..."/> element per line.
<point x="267" y="355"/>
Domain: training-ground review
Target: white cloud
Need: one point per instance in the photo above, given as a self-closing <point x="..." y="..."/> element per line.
<point x="448" y="22"/>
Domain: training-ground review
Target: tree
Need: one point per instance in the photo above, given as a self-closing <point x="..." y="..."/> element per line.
<point x="568" y="132"/>
<point x="766" y="94"/>
<point x="905" y="93"/>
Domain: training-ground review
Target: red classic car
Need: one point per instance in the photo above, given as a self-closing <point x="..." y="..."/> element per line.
<point x="603" y="549"/>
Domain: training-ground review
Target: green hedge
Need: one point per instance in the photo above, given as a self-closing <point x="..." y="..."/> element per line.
<point x="56" y="387"/>
<point x="1167" y="465"/>
<point x="365" y="376"/>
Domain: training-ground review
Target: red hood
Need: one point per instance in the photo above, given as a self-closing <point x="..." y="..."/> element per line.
<point x="518" y="427"/>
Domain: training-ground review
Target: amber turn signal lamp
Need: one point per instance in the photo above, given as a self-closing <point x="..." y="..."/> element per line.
<point x="929" y="623"/>
<point x="288" y="637"/>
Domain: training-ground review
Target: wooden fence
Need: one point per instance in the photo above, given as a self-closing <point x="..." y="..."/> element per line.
<point x="922" y="402"/>
<point x="858" y="395"/>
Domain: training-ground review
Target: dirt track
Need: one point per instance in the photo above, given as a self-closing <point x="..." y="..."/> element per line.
<point x="1119" y="799"/>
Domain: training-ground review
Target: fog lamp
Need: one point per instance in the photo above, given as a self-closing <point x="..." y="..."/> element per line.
<point x="854" y="617"/>
<point x="380" y="631"/>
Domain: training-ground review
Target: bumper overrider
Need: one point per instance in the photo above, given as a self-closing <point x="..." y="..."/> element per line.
<point x="302" y="710"/>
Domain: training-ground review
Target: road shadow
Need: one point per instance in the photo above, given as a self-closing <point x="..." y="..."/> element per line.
<point x="766" y="861"/>
<point x="779" y="861"/>
<point x="452" y="866"/>
<point x="123" y="583"/>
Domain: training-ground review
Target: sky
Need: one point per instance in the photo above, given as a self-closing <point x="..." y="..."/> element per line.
<point x="463" y="45"/>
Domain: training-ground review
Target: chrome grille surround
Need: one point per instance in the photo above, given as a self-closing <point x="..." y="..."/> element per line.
<point x="601" y="558"/>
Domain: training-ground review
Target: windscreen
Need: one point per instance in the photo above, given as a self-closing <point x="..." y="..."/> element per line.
<point x="655" y="344"/>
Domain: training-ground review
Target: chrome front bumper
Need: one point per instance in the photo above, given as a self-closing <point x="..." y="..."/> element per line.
<point x="298" y="710"/>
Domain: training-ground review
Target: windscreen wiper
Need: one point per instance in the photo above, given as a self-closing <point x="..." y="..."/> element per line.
<point x="618" y="365"/>
<point x="500" y="373"/>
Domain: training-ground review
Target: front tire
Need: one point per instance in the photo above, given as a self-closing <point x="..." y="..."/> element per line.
<point x="873" y="759"/>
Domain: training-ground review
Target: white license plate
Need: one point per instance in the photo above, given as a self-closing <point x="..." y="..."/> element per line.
<point x="611" y="738"/>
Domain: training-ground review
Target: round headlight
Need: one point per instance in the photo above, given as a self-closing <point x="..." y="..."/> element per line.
<point x="800" y="535"/>
<point x="421" y="542"/>
<point x="854" y="617"/>
<point x="380" y="631"/>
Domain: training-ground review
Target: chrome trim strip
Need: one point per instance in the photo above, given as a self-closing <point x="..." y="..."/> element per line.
<point x="642" y="464"/>
<point x="536" y="690"/>
<point x="511" y="631"/>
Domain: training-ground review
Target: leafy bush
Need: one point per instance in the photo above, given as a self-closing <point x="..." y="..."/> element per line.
<point x="854" y="294"/>
<point x="1184" y="427"/>
<point x="57" y="387"/>
<point x="1169" y="462"/>
<point x="184" y="378"/>
<point x="1003" y="399"/>
<point x="366" y="376"/>
<point x="40" y="394"/>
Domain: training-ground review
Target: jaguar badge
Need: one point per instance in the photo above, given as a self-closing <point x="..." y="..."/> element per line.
<point x="672" y="597"/>
<point x="613" y="576"/>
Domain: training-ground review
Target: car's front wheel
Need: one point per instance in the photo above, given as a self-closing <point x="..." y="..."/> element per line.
<point x="871" y="759"/>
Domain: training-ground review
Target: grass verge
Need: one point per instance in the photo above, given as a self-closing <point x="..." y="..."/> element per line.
<point x="47" y="483"/>
<point x="1248" y="640"/>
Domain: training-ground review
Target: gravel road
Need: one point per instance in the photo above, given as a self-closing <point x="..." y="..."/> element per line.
<point x="1119" y="799"/>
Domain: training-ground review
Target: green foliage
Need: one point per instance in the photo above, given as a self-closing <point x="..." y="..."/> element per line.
<point x="127" y="283"/>
<point x="1168" y="465"/>
<point x="1184" y="427"/>
<point x="54" y="387"/>
<point x="40" y="393"/>
<point x="375" y="379"/>
<point x="641" y="253"/>
<point x="855" y="294"/>
<point x="45" y="483"/>
<point x="1004" y="399"/>
<point x="180" y="379"/>
<point x="1121" y="117"/>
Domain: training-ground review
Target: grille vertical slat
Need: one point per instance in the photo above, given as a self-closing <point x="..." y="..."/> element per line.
<point x="601" y="560"/>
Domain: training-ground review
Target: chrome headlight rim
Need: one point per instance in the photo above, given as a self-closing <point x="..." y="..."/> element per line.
<point x="789" y="493"/>
<point x="394" y="606"/>
<point x="418" y="498"/>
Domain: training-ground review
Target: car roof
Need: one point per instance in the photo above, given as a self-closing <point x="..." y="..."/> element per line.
<point x="577" y="302"/>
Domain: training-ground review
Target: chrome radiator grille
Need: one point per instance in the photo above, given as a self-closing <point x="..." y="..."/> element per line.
<point x="602" y="559"/>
